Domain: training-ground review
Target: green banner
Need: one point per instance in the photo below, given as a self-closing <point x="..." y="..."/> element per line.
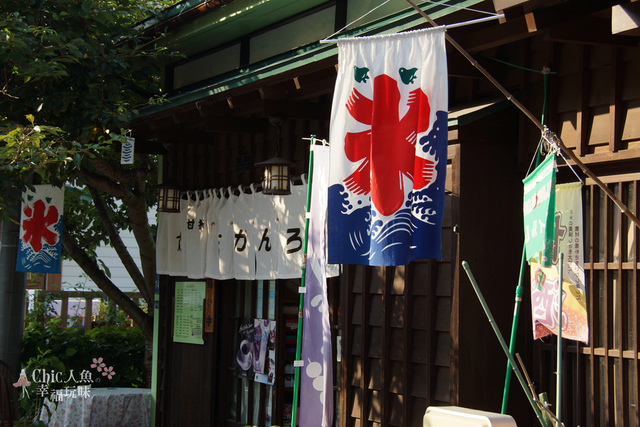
<point x="539" y="211"/>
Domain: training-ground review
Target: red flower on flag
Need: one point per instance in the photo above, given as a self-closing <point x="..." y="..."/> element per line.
<point x="387" y="150"/>
<point x="36" y="226"/>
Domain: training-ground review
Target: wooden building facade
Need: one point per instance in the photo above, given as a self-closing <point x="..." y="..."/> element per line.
<point x="412" y="336"/>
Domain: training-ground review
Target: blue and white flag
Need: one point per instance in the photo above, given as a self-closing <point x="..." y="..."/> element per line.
<point x="316" y="380"/>
<point x="388" y="149"/>
<point x="40" y="246"/>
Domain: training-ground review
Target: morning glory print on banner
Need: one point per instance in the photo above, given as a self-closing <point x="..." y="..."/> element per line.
<point x="388" y="149"/>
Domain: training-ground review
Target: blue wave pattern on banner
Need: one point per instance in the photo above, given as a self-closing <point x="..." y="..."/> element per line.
<point x="47" y="260"/>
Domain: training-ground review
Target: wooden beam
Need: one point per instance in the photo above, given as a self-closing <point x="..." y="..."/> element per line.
<point x="296" y="110"/>
<point x="237" y="125"/>
<point x="588" y="30"/>
<point x="500" y="5"/>
<point x="531" y="22"/>
<point x="625" y="19"/>
<point x="496" y="35"/>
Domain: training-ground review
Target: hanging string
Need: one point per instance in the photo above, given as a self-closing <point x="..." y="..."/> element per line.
<point x="353" y="22"/>
<point x="491" y="16"/>
<point x="539" y="154"/>
<point x="510" y="64"/>
<point x="553" y="146"/>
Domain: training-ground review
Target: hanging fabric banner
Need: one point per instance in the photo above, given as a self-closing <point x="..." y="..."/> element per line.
<point x="226" y="238"/>
<point x="196" y="234"/>
<point x="316" y="382"/>
<point x="388" y="149"/>
<point x="40" y="246"/>
<point x="544" y="281"/>
<point x="266" y="242"/>
<point x="127" y="151"/>
<point x="544" y="305"/>
<point x="244" y="231"/>
<point x="212" y="266"/>
<point x="230" y="234"/>
<point x="539" y="210"/>
<point x="568" y="236"/>
<point x="291" y="210"/>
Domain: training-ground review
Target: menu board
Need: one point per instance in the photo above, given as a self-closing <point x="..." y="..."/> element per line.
<point x="189" y="307"/>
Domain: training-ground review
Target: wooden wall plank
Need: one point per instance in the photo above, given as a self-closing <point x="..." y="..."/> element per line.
<point x="615" y="113"/>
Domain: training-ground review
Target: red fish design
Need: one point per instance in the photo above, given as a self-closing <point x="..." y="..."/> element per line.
<point x="387" y="150"/>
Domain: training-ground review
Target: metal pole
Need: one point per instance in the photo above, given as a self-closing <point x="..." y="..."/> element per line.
<point x="557" y="141"/>
<point x="487" y="311"/>
<point x="516" y="311"/>
<point x="297" y="364"/>
<point x="12" y="292"/>
<point x="514" y="330"/>
<point x="559" y="355"/>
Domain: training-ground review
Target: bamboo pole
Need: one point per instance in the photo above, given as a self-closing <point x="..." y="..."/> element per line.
<point x="549" y="136"/>
<point x="297" y="364"/>
<point x="514" y="366"/>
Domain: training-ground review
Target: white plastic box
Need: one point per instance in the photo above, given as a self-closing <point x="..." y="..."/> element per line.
<point x="456" y="416"/>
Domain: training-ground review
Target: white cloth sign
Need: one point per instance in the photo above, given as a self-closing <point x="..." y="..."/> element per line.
<point x="225" y="238"/>
<point x="222" y="236"/>
<point x="244" y="259"/>
<point x="266" y="241"/>
<point x="212" y="267"/>
<point x="196" y="235"/>
<point x="292" y="231"/>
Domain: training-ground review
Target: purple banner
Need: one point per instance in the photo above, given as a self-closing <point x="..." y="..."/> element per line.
<point x="316" y="379"/>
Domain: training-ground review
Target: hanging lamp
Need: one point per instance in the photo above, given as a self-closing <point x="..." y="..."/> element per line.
<point x="169" y="193"/>
<point x="276" y="169"/>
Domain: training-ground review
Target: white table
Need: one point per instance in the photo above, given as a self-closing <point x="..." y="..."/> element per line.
<point x="102" y="407"/>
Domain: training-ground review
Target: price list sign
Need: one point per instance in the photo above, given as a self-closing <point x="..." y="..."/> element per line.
<point x="189" y="305"/>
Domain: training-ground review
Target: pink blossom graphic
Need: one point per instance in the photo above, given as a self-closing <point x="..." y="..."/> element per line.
<point x="109" y="372"/>
<point x="97" y="363"/>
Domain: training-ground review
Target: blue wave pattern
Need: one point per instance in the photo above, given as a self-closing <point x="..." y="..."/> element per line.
<point x="127" y="153"/>
<point x="363" y="236"/>
<point x="47" y="260"/>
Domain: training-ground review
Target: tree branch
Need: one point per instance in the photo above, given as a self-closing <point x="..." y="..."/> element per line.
<point x="120" y="248"/>
<point x="138" y="211"/>
<point x="117" y="173"/>
<point x="144" y="320"/>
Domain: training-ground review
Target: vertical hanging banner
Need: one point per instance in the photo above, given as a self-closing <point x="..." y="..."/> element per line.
<point x="568" y="236"/>
<point x="40" y="246"/>
<point x="539" y="210"/>
<point x="196" y="234"/>
<point x="244" y="231"/>
<point x="291" y="210"/>
<point x="212" y="263"/>
<point x="127" y="151"/>
<point x="544" y="280"/>
<point x="316" y="380"/>
<point x="266" y="237"/>
<point x="388" y="149"/>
